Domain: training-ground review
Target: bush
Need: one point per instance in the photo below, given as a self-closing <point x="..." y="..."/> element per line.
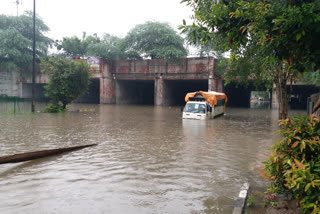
<point x="294" y="166"/>
<point x="67" y="80"/>
<point x="54" y="108"/>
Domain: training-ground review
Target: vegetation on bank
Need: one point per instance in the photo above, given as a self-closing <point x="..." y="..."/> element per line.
<point x="294" y="166"/>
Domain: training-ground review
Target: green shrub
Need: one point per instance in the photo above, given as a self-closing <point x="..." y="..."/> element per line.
<point x="294" y="166"/>
<point x="54" y="108"/>
<point x="67" y="79"/>
<point x="251" y="201"/>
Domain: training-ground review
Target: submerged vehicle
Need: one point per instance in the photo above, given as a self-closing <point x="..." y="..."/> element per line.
<point x="204" y="105"/>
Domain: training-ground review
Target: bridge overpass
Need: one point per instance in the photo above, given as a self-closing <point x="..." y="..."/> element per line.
<point x="155" y="81"/>
<point x="152" y="82"/>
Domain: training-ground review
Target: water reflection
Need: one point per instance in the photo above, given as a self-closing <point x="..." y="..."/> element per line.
<point x="149" y="160"/>
<point x="260" y="104"/>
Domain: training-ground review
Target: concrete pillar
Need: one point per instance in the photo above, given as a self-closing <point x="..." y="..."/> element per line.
<point x="215" y="84"/>
<point x="212" y="84"/>
<point x="107" y="84"/>
<point x="158" y="92"/>
<point x="219" y="85"/>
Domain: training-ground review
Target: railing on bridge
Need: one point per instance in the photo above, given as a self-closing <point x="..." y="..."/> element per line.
<point x="147" y="69"/>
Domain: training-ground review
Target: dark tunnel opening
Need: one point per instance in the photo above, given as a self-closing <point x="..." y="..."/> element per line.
<point x="139" y="92"/>
<point x="299" y="95"/>
<point x="93" y="94"/>
<point x="239" y="95"/>
<point x="176" y="90"/>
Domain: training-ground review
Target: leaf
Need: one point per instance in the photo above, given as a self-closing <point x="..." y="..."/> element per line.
<point x="307" y="187"/>
<point x="184" y="22"/>
<point x="299" y="164"/>
<point x="295" y="144"/>
<point x="302" y="146"/>
<point x="298" y="36"/>
<point x="298" y="138"/>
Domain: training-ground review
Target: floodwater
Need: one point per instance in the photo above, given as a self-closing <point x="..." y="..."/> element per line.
<point x="148" y="160"/>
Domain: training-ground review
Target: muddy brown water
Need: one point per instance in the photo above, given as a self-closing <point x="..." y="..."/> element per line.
<point x="148" y="160"/>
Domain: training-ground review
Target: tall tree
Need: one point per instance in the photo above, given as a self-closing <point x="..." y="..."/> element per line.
<point x="16" y="36"/>
<point x="74" y="46"/>
<point x="112" y="47"/>
<point x="280" y="35"/>
<point x="155" y="40"/>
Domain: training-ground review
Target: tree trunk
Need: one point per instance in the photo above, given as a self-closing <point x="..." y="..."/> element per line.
<point x="27" y="156"/>
<point x="316" y="109"/>
<point x="282" y="94"/>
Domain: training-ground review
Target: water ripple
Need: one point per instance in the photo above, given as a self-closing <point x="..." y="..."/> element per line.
<point x="148" y="160"/>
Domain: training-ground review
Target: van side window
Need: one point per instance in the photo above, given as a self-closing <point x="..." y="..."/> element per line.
<point x="220" y="102"/>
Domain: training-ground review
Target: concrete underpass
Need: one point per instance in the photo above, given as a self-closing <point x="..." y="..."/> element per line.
<point x="239" y="95"/>
<point x="176" y="90"/>
<point x="139" y="92"/>
<point x="300" y="94"/>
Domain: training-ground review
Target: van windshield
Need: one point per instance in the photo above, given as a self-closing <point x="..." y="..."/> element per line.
<point x="195" y="108"/>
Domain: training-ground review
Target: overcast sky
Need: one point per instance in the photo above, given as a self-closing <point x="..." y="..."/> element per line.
<point x="66" y="18"/>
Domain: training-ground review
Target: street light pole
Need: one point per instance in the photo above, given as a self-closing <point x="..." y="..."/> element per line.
<point x="34" y="57"/>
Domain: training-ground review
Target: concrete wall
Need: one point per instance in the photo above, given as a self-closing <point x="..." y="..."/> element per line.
<point x="39" y="91"/>
<point x="188" y="68"/>
<point x="10" y="83"/>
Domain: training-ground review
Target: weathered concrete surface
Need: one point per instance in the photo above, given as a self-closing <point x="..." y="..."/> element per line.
<point x="161" y="72"/>
<point x="107" y="83"/>
<point x="110" y="73"/>
<point x="241" y="200"/>
<point x="158" y="92"/>
<point x="10" y="83"/>
<point x="188" y="68"/>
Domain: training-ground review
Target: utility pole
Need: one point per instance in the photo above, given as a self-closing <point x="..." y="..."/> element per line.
<point x="17" y="2"/>
<point x="34" y="57"/>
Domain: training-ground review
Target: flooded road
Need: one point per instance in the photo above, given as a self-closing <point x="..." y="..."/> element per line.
<point x="148" y="160"/>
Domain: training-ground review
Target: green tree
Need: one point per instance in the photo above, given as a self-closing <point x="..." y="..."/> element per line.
<point x="312" y="77"/>
<point x="74" y="46"/>
<point x="276" y="40"/>
<point x="155" y="40"/>
<point x="68" y="80"/>
<point x="16" y="40"/>
<point x="112" y="48"/>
